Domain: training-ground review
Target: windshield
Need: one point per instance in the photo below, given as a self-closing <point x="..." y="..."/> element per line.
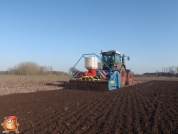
<point x="108" y="58"/>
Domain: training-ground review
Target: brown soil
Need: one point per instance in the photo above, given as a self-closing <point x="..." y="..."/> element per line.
<point x="150" y="107"/>
<point x="24" y="84"/>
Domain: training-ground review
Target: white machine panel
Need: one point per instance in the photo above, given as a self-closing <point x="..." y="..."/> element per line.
<point x="91" y="63"/>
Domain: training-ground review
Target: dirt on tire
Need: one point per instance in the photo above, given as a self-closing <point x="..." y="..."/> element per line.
<point x="150" y="107"/>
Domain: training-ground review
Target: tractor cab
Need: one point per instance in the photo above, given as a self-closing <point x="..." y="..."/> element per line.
<point x="111" y="58"/>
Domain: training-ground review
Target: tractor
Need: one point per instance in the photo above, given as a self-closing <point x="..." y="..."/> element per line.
<point x="108" y="74"/>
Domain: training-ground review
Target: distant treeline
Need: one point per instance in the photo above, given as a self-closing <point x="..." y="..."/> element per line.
<point x="31" y="68"/>
<point x="157" y="74"/>
<point x="166" y="71"/>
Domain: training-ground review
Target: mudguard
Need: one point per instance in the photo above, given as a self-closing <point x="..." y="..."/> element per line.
<point x="114" y="81"/>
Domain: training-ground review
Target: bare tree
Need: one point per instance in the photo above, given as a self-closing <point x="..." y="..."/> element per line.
<point x="27" y="68"/>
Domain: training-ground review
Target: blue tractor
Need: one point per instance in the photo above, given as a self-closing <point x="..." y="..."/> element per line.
<point x="108" y="74"/>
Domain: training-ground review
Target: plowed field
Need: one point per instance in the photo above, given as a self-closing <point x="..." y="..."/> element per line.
<point x="150" y="107"/>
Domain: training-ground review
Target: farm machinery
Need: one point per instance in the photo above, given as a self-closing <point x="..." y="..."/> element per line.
<point x="108" y="74"/>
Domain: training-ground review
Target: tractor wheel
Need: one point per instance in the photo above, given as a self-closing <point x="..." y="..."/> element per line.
<point x="123" y="76"/>
<point x="129" y="78"/>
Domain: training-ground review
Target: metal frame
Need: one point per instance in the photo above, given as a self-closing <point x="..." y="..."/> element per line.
<point x="83" y="56"/>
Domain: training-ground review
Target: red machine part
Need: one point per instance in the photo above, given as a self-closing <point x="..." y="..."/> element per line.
<point x="90" y="72"/>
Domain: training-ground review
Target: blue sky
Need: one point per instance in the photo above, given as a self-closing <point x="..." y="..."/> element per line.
<point x="57" y="32"/>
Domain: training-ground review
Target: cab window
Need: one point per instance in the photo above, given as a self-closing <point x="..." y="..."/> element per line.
<point x="118" y="58"/>
<point x="108" y="58"/>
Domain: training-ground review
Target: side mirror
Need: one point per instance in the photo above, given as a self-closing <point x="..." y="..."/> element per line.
<point x="128" y="58"/>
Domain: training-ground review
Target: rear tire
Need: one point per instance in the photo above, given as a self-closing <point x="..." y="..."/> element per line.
<point x="129" y="78"/>
<point x="123" y="76"/>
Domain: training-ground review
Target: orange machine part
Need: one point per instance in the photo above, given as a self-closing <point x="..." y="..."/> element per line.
<point x="90" y="72"/>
